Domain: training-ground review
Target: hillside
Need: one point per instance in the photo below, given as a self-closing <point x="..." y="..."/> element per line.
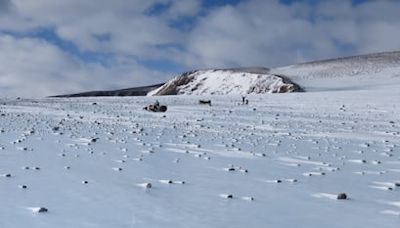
<point x="345" y="73"/>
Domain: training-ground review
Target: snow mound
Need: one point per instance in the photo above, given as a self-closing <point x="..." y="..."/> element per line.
<point x="227" y="82"/>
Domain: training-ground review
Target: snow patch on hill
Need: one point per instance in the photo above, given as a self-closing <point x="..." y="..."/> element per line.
<point x="224" y="82"/>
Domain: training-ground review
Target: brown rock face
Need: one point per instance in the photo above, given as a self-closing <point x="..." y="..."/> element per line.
<point x="171" y="89"/>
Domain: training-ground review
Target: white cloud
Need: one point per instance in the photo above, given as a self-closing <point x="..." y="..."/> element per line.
<point x="131" y="30"/>
<point x="269" y="33"/>
<point x="187" y="8"/>
<point x="32" y="67"/>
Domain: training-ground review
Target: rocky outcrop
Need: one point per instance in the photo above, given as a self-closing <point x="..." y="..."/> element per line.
<point x="227" y="81"/>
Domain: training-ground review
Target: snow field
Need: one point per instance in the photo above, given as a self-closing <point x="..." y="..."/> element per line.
<point x="279" y="161"/>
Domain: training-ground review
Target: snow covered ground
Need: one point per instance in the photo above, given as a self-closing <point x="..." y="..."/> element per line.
<point x="278" y="162"/>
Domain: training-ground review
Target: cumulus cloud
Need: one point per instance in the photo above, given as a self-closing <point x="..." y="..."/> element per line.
<point x="120" y="29"/>
<point x="179" y="9"/>
<point x="270" y="33"/>
<point x="33" y="67"/>
<point x="129" y="28"/>
<point x="186" y="34"/>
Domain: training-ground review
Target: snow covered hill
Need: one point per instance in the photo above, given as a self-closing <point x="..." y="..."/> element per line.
<point x="357" y="72"/>
<point x="354" y="72"/>
<point x="335" y="74"/>
<point x="227" y="81"/>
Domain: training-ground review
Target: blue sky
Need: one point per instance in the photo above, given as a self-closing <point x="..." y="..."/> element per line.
<point x="103" y="44"/>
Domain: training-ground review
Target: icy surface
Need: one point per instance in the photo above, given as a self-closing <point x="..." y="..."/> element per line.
<point x="278" y="162"/>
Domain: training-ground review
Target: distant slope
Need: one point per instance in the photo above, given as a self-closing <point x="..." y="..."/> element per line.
<point x="345" y="73"/>
<point x="137" y="91"/>
<point x="227" y="81"/>
<point x="348" y="73"/>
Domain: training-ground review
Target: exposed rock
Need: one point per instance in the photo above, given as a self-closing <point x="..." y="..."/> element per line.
<point x="342" y="196"/>
<point x="227" y="196"/>
<point x="38" y="209"/>
<point x="145" y="185"/>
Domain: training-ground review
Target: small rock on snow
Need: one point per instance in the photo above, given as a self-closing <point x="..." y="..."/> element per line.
<point x="145" y="185"/>
<point x="226" y="196"/>
<point x="342" y="196"/>
<point x="39" y="209"/>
